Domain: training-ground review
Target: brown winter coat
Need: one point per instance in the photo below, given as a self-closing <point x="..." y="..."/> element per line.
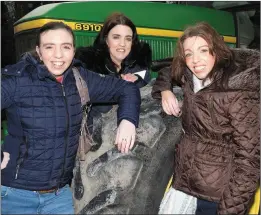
<point x="218" y="158"/>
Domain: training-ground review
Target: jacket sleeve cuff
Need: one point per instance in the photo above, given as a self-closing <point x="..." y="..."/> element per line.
<point x="139" y="82"/>
<point x="136" y="123"/>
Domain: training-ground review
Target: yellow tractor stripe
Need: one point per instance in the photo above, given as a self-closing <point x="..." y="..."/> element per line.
<point x="86" y="27"/>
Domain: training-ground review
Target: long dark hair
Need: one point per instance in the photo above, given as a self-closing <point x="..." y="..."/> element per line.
<point x="217" y="47"/>
<point x="110" y="22"/>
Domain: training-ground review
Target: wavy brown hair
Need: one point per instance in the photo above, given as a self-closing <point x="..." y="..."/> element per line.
<point x="217" y="47"/>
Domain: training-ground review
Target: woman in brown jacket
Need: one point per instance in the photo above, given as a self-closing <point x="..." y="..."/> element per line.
<point x="218" y="158"/>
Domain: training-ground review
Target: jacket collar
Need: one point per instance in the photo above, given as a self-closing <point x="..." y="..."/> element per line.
<point x="111" y="68"/>
<point x="188" y="77"/>
<point x="99" y="56"/>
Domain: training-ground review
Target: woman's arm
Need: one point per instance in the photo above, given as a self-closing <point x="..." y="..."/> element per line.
<point x="8" y="85"/>
<point x="162" y="83"/>
<point x="104" y="89"/>
<point x="244" y="114"/>
<point x="162" y="89"/>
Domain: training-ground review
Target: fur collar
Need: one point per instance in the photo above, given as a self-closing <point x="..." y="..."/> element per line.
<point x="92" y="56"/>
<point x="247" y="75"/>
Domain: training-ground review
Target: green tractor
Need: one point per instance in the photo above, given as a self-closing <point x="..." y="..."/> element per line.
<point x="109" y="182"/>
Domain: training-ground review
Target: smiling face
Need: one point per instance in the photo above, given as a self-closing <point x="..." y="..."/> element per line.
<point x="198" y="57"/>
<point x="56" y="50"/>
<point x="119" y="42"/>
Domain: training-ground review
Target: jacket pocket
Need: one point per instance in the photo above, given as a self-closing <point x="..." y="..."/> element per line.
<point x="208" y="178"/>
<point x="214" y="151"/>
<point x="181" y="154"/>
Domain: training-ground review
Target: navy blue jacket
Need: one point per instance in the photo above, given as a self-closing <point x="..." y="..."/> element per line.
<point x="44" y="118"/>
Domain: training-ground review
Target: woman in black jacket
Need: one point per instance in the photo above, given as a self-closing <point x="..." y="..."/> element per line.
<point x="117" y="52"/>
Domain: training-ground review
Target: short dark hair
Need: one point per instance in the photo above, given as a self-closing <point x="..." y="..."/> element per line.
<point x="53" y="26"/>
<point x="111" y="21"/>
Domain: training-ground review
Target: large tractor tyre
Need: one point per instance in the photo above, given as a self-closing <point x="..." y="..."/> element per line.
<point x="110" y="182"/>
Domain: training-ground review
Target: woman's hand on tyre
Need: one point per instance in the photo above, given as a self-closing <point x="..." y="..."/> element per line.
<point x="125" y="137"/>
<point x="170" y="103"/>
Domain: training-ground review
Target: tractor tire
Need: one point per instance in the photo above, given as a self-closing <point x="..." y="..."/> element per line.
<point x="110" y="182"/>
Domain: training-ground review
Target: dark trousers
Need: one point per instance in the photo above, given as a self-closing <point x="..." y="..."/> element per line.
<point x="205" y="207"/>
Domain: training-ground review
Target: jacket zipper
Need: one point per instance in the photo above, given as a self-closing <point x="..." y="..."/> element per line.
<point x="66" y="136"/>
<point x="21" y="160"/>
<point x="17" y="170"/>
<point x="117" y="74"/>
<point x="211" y="102"/>
<point x="211" y="109"/>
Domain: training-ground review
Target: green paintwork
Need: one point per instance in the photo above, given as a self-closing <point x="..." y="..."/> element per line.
<point x="143" y="14"/>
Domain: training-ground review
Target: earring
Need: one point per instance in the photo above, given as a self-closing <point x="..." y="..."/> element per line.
<point x="40" y="60"/>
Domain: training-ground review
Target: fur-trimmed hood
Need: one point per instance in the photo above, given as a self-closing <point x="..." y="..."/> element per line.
<point x="97" y="60"/>
<point x="247" y="75"/>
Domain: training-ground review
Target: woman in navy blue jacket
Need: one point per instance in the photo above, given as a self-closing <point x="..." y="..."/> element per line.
<point x="117" y="52"/>
<point x="44" y="116"/>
